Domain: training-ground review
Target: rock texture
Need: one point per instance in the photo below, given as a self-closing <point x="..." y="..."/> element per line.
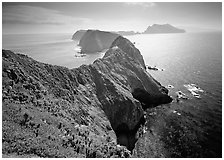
<point x="164" y="28"/>
<point x="95" y="41"/>
<point x="51" y="111"/>
<point x="78" y="34"/>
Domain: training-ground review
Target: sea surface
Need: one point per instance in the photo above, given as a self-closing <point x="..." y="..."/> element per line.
<point x="56" y="49"/>
<point x="190" y="65"/>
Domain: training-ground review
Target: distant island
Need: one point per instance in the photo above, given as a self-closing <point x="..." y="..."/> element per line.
<point x="92" y="41"/>
<point x="127" y="33"/>
<point x="162" y="28"/>
<point x="154" y="29"/>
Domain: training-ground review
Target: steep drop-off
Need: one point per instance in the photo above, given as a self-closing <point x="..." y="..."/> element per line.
<point x="78" y="35"/>
<point x="51" y="111"/>
<point x="95" y="41"/>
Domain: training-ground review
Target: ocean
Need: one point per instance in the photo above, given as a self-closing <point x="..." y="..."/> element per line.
<point x="56" y="49"/>
<point x="192" y="70"/>
<point x="190" y="65"/>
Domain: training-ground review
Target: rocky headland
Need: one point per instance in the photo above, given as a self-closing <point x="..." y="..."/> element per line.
<point x="162" y="28"/>
<point x="78" y="34"/>
<point x="95" y="110"/>
<point x="95" y="41"/>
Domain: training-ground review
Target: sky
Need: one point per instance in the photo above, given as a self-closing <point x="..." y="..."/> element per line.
<point x="68" y="17"/>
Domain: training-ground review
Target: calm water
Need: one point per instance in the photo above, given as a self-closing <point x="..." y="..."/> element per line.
<point x="57" y="49"/>
<point x="189" y="58"/>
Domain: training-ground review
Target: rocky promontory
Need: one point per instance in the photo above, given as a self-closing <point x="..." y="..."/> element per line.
<point x="92" y="111"/>
<point x="162" y="28"/>
<point x="78" y="35"/>
<point x="96" y="41"/>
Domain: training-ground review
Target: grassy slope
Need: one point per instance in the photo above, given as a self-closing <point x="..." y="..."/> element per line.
<point x="49" y="112"/>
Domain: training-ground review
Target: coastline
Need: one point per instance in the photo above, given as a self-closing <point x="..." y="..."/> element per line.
<point x="58" y="88"/>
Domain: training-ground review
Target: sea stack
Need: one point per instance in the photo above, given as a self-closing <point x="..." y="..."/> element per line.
<point x="95" y="41"/>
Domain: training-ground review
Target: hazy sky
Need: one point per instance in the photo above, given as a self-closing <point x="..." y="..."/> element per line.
<point x="68" y="17"/>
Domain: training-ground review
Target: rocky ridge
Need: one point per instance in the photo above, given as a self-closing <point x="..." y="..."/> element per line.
<point x="51" y="111"/>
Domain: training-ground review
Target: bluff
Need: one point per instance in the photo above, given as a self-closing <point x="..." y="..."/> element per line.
<point x="78" y="34"/>
<point x="53" y="111"/>
<point x="164" y="28"/>
<point x="95" y="41"/>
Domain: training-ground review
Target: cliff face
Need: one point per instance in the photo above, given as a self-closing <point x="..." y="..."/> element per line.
<point x="78" y="34"/>
<point x="165" y="28"/>
<point x="51" y="111"/>
<point x="95" y="41"/>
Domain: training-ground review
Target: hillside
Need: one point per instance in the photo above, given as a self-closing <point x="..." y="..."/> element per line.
<point x="52" y="111"/>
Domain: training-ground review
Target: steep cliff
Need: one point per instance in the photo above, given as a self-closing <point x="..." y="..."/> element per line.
<point x="164" y="28"/>
<point x="95" y="41"/>
<point x="78" y="34"/>
<point x="51" y="111"/>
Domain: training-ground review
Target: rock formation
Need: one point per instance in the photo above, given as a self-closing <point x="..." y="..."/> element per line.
<point x="164" y="28"/>
<point x="95" y="41"/>
<point x="51" y="111"/>
<point x="78" y="34"/>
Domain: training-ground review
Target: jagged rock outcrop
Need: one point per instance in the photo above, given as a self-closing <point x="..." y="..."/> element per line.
<point x="95" y="41"/>
<point x="164" y="28"/>
<point x="78" y="34"/>
<point x="51" y="111"/>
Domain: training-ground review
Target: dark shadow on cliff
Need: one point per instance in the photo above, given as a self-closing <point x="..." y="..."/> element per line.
<point x="148" y="100"/>
<point x="127" y="137"/>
